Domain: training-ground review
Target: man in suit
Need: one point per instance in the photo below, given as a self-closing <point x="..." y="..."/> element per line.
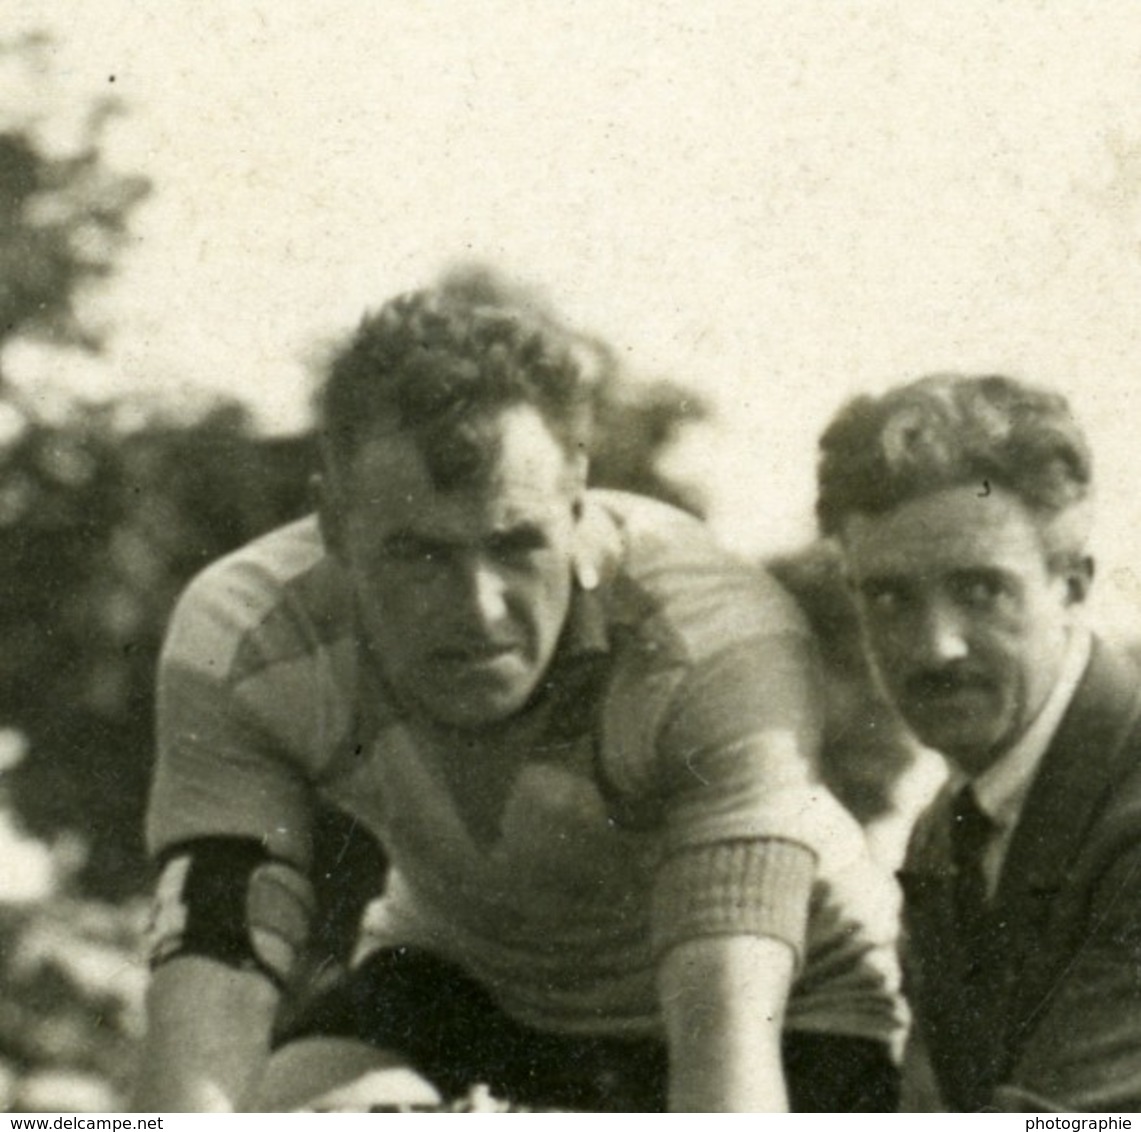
<point x="962" y="506"/>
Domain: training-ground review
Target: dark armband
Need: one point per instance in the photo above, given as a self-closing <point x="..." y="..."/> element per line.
<point x="226" y="898"/>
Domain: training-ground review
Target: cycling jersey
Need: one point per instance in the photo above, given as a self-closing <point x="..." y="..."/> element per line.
<point x="658" y="787"/>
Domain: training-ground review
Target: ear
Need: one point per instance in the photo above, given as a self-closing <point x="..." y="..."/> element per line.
<point x="599" y="548"/>
<point x="323" y="495"/>
<point x="1079" y="578"/>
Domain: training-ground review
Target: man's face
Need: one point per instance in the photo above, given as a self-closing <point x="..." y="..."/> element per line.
<point x="965" y="621"/>
<point x="462" y="593"/>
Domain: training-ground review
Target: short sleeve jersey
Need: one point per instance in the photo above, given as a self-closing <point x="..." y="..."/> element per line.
<point x="659" y="786"/>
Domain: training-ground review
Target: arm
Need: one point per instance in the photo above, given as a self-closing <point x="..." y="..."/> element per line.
<point x="731" y="899"/>
<point x="755" y="842"/>
<point x="207" y="1037"/>
<point x="229" y="816"/>
<point x="723" y="1001"/>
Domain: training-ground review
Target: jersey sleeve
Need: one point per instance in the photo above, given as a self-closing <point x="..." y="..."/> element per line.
<point x="756" y="844"/>
<point x="735" y="754"/>
<point x="221" y="770"/>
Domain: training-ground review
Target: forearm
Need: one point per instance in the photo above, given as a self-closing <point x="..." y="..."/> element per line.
<point x="207" y="1037"/>
<point x="723" y="1001"/>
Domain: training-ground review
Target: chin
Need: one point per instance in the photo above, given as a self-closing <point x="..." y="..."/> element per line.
<point x="968" y="738"/>
<point x="477" y="711"/>
<point x="973" y="752"/>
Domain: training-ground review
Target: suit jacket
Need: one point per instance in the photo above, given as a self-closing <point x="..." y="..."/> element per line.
<point x="1050" y="1019"/>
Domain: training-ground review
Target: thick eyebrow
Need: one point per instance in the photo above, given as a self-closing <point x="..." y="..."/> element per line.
<point x="873" y="582"/>
<point x="994" y="576"/>
<point x="976" y="573"/>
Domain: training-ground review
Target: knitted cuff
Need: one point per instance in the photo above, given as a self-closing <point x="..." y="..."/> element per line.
<point x="755" y="887"/>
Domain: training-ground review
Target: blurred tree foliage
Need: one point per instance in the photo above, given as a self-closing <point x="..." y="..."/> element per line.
<point x="63" y="217"/>
<point x="107" y="510"/>
<point x="100" y="527"/>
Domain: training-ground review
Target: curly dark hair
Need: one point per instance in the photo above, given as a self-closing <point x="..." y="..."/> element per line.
<point x="441" y="366"/>
<point x="947" y="430"/>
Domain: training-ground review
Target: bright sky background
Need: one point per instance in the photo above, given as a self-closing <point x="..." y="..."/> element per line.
<point x="779" y="204"/>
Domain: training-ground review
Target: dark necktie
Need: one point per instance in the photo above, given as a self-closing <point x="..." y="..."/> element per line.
<point x="971" y="1027"/>
<point x="971" y="833"/>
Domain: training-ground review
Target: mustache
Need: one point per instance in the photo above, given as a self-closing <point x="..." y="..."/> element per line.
<point x="934" y="682"/>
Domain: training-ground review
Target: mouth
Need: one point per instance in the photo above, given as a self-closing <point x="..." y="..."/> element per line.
<point x="479" y="655"/>
<point x="941" y="687"/>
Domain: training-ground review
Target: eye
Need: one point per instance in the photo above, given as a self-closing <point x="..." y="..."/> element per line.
<point x="516" y="544"/>
<point x="883" y="597"/>
<point x="981" y="591"/>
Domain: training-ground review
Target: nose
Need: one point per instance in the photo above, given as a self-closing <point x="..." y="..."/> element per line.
<point x="486" y="595"/>
<point x="940" y="637"/>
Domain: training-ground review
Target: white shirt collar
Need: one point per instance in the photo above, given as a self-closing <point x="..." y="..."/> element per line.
<point x="1001" y="789"/>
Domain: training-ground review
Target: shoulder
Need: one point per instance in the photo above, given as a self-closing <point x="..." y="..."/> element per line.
<point x="271" y="601"/>
<point x="680" y="585"/>
<point x="1108" y="695"/>
<point x="1091" y="772"/>
<point x="1105" y="727"/>
<point x="712" y="696"/>
<point x="260" y="655"/>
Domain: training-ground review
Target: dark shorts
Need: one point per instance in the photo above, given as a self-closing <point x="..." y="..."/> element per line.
<point x="447" y="1026"/>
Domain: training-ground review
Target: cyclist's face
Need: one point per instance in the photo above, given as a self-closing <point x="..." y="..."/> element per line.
<point x="463" y="592"/>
